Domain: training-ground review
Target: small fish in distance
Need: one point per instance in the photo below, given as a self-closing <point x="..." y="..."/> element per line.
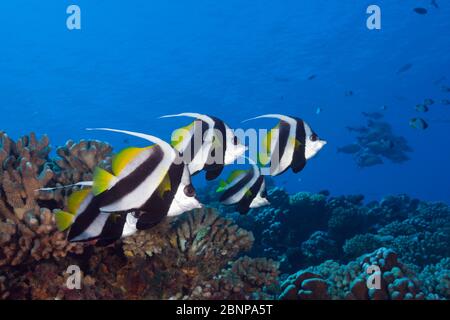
<point x="420" y="10"/>
<point x="422" y="108"/>
<point x="349" y="148"/>
<point x="418" y="123"/>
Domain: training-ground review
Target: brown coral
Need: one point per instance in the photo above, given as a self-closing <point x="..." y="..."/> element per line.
<point x="27" y="227"/>
<point x="187" y="250"/>
<point x="245" y="278"/>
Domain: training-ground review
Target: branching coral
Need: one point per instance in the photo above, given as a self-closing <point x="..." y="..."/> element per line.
<point x="188" y="250"/>
<point x="27" y="228"/>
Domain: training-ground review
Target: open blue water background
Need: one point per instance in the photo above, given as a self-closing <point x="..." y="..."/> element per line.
<point x="136" y="60"/>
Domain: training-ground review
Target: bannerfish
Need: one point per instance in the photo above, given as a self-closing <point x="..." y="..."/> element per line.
<point x="350" y="148"/>
<point x="420" y="10"/>
<point x="288" y="145"/>
<point x="373" y="115"/>
<point x="380" y="146"/>
<point x="312" y="77"/>
<point x="445" y="88"/>
<point x="369" y="160"/>
<point x="404" y="68"/>
<point x="445" y="102"/>
<point x="349" y="93"/>
<point x="244" y="188"/>
<point x="361" y="129"/>
<point x="206" y="144"/>
<point x="146" y="184"/>
<point x="422" y="108"/>
<point x="418" y="123"/>
<point x="428" y="102"/>
<point x="434" y="4"/>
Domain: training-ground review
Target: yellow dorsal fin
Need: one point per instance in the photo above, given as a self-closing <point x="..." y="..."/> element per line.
<point x="103" y="180"/>
<point x="76" y="199"/>
<point x="121" y="159"/>
<point x="164" y="186"/>
<point x="180" y="134"/>
<point x="234" y="175"/>
<point x="63" y="219"/>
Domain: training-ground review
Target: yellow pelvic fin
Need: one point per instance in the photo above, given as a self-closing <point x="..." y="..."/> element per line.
<point x="164" y="186"/>
<point x="180" y="134"/>
<point x="76" y="199"/>
<point x="222" y="185"/>
<point x="102" y="181"/>
<point x="121" y="159"/>
<point x="63" y="220"/>
<point x="248" y="193"/>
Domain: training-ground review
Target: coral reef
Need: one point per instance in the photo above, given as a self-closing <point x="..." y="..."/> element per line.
<point x="27" y="228"/>
<point x="325" y="243"/>
<point x="335" y="281"/>
<point x="244" y="279"/>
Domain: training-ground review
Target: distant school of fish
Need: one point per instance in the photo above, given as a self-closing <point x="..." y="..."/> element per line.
<point x="145" y="185"/>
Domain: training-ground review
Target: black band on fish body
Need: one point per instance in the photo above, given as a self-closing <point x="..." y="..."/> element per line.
<point x="238" y="186"/>
<point x="120" y="189"/>
<point x="196" y="141"/>
<point x="130" y="182"/>
<point x="299" y="159"/>
<point x="112" y="231"/>
<point x="156" y="208"/>
<point x="212" y="168"/>
<point x="84" y="219"/>
<point x="243" y="205"/>
<point x="282" y="144"/>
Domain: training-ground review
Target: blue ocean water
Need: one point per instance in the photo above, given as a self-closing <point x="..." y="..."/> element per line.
<point x="134" y="61"/>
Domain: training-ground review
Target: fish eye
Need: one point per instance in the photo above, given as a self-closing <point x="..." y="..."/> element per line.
<point x="313" y="137"/>
<point x="189" y="191"/>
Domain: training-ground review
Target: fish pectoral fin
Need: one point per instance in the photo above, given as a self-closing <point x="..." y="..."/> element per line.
<point x="222" y="185"/>
<point x="63" y="220"/>
<point x="76" y="199"/>
<point x="297" y="144"/>
<point x="103" y="180"/>
<point x="164" y="186"/>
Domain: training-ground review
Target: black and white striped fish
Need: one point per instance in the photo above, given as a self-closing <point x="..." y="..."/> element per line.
<point x="244" y="188"/>
<point x="206" y="144"/>
<point x="289" y="145"/>
<point x="146" y="184"/>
